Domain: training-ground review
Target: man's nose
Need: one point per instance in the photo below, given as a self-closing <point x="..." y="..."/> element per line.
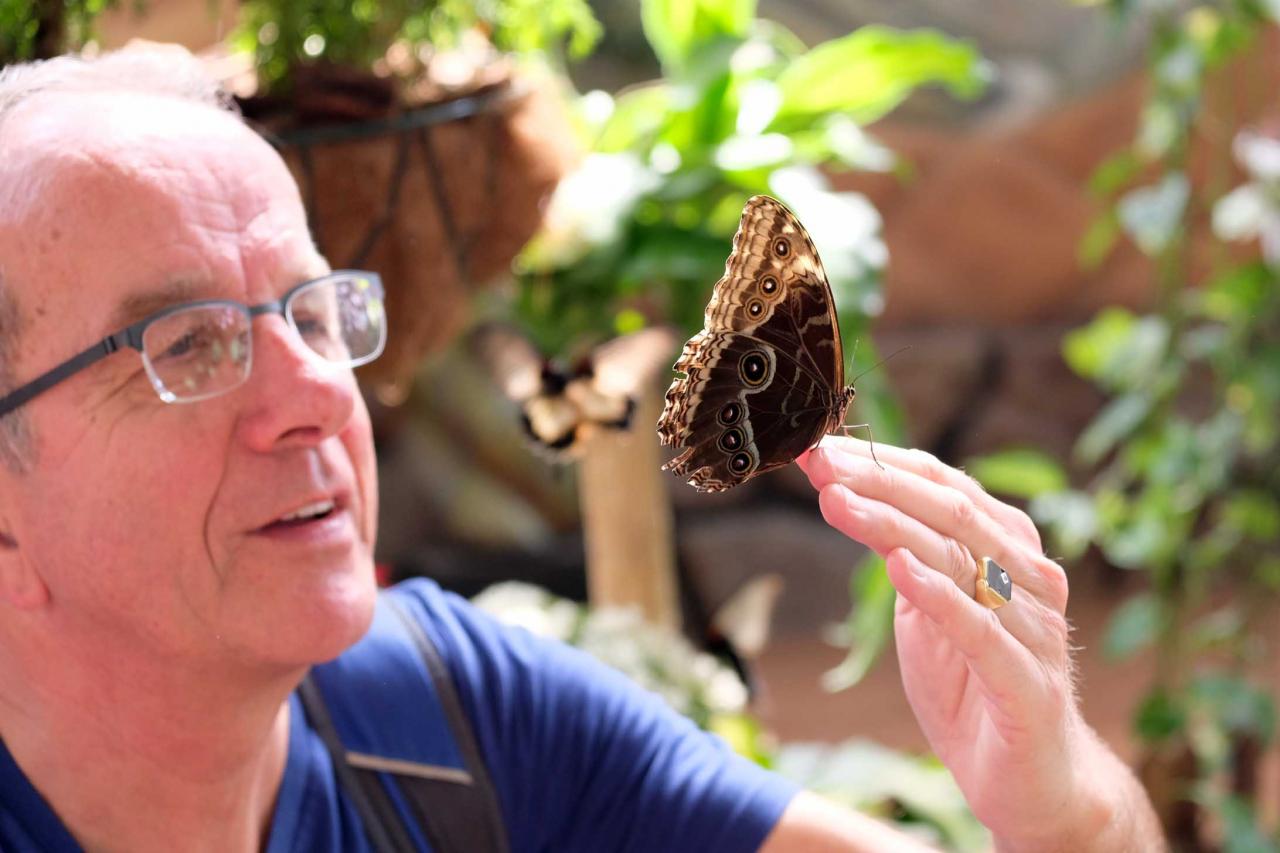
<point x="295" y="396"/>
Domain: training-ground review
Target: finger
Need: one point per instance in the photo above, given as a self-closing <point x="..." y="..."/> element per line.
<point x="931" y="468"/>
<point x="947" y="510"/>
<point x="1005" y="668"/>
<point x="884" y="528"/>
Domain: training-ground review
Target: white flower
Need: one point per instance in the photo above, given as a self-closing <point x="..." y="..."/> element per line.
<point x="1253" y="209"/>
<point x="589" y="205"/>
<point x="529" y="607"/>
<point x="663" y="661"/>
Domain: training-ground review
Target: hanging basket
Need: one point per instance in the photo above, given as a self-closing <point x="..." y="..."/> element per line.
<point x="437" y="198"/>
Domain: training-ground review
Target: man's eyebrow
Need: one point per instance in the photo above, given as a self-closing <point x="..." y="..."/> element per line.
<point x="136" y="306"/>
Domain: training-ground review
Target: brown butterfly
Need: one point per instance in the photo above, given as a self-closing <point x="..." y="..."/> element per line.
<point x="764" y="379"/>
<point x="561" y="405"/>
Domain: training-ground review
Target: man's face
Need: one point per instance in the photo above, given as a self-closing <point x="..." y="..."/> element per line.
<point x="157" y="527"/>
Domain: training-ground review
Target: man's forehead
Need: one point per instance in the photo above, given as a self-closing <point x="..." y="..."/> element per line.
<point x="88" y="136"/>
<point x="147" y="191"/>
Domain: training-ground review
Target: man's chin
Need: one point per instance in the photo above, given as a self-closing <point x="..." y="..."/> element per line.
<point x="315" y="623"/>
<point x="343" y="616"/>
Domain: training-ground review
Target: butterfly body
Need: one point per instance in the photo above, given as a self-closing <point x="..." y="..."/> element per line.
<point x="561" y="406"/>
<point x="764" y="379"/>
<point x="562" y="412"/>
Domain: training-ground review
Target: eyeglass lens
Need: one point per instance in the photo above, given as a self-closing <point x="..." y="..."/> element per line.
<point x="205" y="350"/>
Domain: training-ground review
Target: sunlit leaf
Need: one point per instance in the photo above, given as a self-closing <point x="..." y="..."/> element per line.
<point x="1117" y="349"/>
<point x="636" y="118"/>
<point x="1072" y="520"/>
<point x="743" y="153"/>
<point x="870" y="71"/>
<point x="1021" y="472"/>
<point x="868" y="627"/>
<point x="677" y="29"/>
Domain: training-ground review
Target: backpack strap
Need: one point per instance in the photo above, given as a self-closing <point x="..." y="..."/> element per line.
<point x="474" y="817"/>
<point x="382" y="823"/>
<point x="413" y="779"/>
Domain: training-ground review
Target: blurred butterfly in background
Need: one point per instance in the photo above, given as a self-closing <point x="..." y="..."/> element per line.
<point x="764" y="379"/>
<point x="563" y="405"/>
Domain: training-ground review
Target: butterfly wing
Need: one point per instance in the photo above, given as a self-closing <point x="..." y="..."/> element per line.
<point x="743" y="407"/>
<point x="775" y="288"/>
<point x="626" y="364"/>
<point x="762" y="378"/>
<point x="513" y="362"/>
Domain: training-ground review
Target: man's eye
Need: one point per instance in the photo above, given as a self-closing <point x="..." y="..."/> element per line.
<point x="312" y="327"/>
<point x="196" y="341"/>
<point x="181" y="346"/>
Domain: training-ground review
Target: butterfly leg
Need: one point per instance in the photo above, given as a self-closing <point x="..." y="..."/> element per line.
<point x="871" y="439"/>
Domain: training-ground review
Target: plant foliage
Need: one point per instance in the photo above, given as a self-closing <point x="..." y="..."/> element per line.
<point x="1184" y="457"/>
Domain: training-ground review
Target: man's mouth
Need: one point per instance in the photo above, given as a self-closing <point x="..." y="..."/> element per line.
<point x="303" y="515"/>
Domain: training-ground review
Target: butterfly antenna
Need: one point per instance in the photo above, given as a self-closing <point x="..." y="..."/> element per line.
<point x="898" y="351"/>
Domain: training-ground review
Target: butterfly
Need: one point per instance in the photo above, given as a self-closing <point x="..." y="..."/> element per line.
<point x="764" y="379"/>
<point x="562" y="405"/>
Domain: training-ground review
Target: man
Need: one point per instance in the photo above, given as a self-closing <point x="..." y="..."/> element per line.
<point x="187" y="519"/>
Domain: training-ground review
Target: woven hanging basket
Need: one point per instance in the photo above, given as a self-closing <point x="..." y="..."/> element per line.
<point x="438" y="197"/>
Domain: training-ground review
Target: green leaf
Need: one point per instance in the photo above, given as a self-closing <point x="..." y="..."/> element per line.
<point x="1160" y="716"/>
<point x="918" y="792"/>
<point x="1151" y="535"/>
<point x="1071" y="518"/>
<point x="867" y="629"/>
<point x="1239" y="295"/>
<point x="1022" y="472"/>
<point x="1255" y="513"/>
<point x="1235" y="704"/>
<point x="1134" y="626"/>
<point x="744" y="735"/>
<point x="638" y="116"/>
<point x="1091" y="349"/>
<point x="1242" y="828"/>
<point x="1118" y="419"/>
<point x="1152" y="216"/>
<point x="1099" y="241"/>
<point x="1217" y="629"/>
<point x="1115" y="172"/>
<point x="677" y="29"/>
<point x="870" y="71"/>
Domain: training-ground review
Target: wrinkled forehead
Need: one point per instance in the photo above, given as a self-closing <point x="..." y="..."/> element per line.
<point x="103" y="193"/>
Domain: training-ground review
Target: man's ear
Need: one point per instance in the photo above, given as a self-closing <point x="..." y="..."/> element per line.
<point x="20" y="585"/>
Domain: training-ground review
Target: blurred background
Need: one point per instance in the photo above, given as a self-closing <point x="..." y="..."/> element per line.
<point x="1061" y="221"/>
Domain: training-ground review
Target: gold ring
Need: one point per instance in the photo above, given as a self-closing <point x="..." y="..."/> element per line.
<point x="994" y="588"/>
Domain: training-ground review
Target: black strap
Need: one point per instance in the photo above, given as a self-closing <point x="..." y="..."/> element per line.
<point x="460" y="818"/>
<point x="381" y="821"/>
<point x="457" y="814"/>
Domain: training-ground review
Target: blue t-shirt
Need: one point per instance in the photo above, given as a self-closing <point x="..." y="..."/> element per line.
<point x="581" y="758"/>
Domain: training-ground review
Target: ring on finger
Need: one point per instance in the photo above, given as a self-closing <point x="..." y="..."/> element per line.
<point x="994" y="588"/>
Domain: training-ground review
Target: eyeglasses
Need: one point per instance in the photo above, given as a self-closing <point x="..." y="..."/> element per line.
<point x="199" y="350"/>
